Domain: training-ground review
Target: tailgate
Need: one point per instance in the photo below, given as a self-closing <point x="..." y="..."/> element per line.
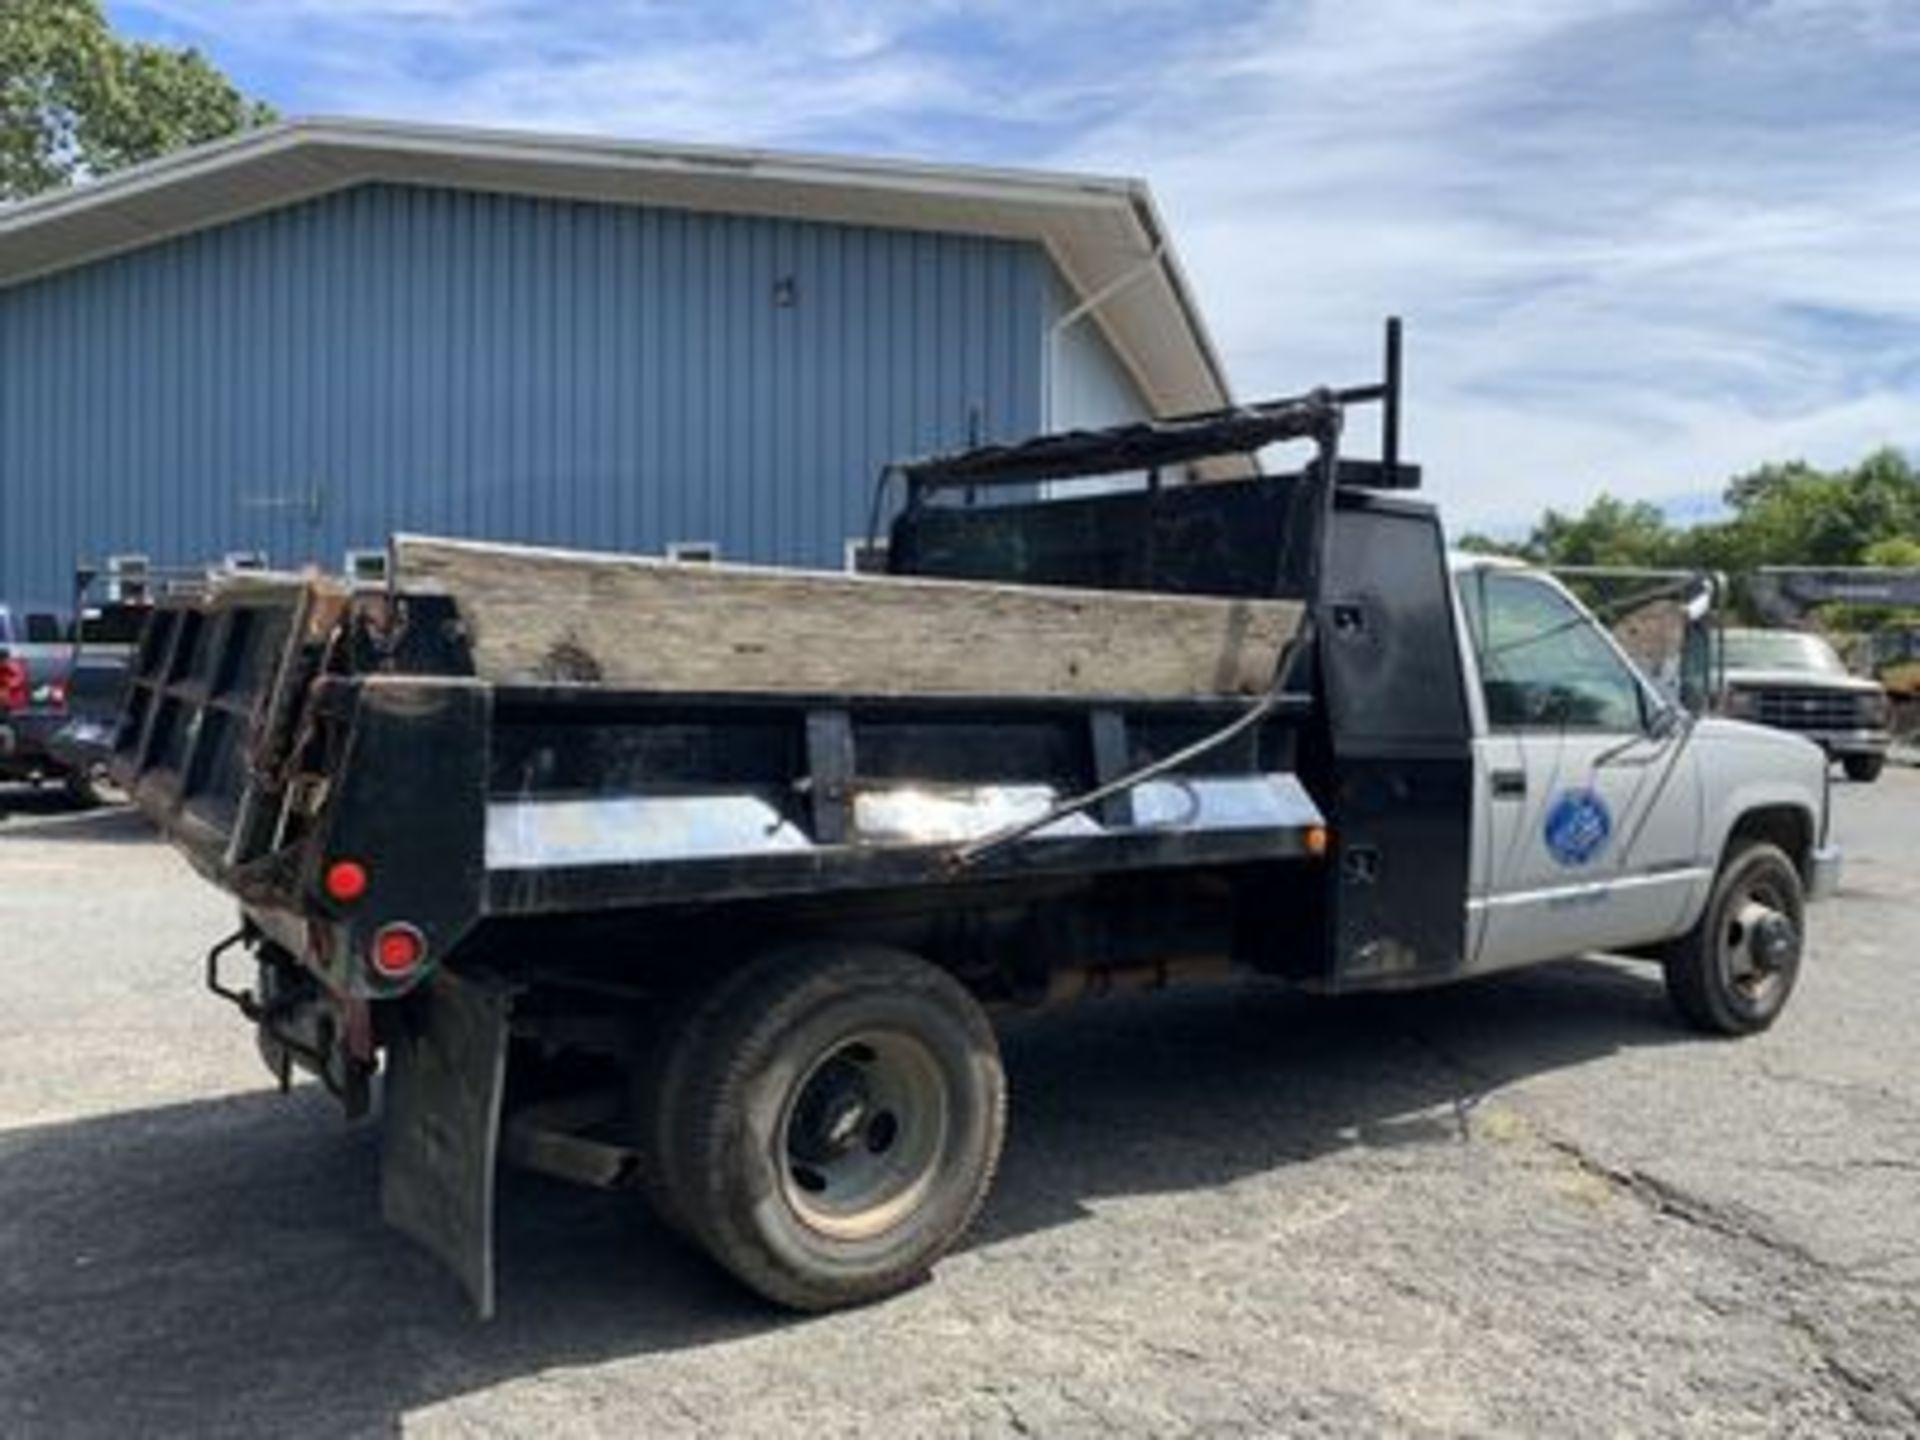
<point x="207" y="726"/>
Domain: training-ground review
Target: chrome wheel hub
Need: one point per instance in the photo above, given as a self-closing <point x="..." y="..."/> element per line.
<point x="1760" y="942"/>
<point x="863" y="1135"/>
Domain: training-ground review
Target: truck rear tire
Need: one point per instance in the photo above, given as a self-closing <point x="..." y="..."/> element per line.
<point x="681" y="1029"/>
<point x="836" y="1129"/>
<point x="1734" y="971"/>
<point x="1864" y="769"/>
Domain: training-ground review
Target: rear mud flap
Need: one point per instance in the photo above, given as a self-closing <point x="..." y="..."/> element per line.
<point x="441" y="1139"/>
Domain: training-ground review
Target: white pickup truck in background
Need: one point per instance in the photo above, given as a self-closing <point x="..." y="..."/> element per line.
<point x="1792" y="680"/>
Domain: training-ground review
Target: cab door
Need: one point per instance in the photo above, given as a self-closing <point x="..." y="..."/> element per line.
<point x="1590" y="801"/>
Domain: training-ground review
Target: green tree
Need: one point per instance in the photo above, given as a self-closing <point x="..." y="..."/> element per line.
<point x="1475" y="543"/>
<point x="1796" y="515"/>
<point x="1781" y="514"/>
<point x="1610" y="531"/>
<point x="1896" y="552"/>
<point x="76" y="101"/>
<point x="1745" y="491"/>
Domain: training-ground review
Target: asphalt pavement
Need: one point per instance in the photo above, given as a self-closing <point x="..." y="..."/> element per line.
<point x="1526" y="1205"/>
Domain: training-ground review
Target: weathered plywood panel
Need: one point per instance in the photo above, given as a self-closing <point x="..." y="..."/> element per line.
<point x="538" y="614"/>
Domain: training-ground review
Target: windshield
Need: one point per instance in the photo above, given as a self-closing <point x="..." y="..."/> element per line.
<point x="1781" y="650"/>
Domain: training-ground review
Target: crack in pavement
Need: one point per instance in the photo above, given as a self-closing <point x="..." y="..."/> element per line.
<point x="1676" y="1202"/>
<point x="1873" y="1398"/>
<point x="1870" y="1396"/>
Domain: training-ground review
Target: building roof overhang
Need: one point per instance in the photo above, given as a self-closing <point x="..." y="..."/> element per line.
<point x="1104" y="234"/>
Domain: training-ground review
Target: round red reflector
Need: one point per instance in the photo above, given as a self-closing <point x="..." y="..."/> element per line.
<point x="346" y="880"/>
<point x="398" y="950"/>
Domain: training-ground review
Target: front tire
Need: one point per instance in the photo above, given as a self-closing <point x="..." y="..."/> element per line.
<point x="1864" y="769"/>
<point x="838" y="1127"/>
<point x="1733" y="972"/>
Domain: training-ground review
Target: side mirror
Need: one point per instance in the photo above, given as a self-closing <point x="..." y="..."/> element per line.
<point x="1667" y="719"/>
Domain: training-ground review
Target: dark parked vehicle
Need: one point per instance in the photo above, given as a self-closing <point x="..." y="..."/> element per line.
<point x="102" y="654"/>
<point x="1792" y="680"/>
<point x="61" y="686"/>
<point x="36" y="669"/>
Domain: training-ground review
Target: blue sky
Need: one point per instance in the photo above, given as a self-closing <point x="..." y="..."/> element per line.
<point x="1640" y="244"/>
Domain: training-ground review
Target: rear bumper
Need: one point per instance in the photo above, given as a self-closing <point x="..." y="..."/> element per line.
<point x="23" y="743"/>
<point x="33" y="729"/>
<point x="1823" y="872"/>
<point x="83" y="745"/>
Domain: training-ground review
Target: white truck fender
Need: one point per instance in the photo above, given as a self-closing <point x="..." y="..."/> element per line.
<point x="1765" y="784"/>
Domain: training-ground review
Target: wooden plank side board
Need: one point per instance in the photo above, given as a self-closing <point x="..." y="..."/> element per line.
<point x="535" y="614"/>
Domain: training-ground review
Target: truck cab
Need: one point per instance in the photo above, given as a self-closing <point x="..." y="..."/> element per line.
<point x="1602" y="811"/>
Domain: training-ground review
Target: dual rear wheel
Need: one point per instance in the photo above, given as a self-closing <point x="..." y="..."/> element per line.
<point x="824" y="1121"/>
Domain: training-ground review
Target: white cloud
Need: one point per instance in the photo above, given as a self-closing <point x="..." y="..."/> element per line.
<point x="1641" y="244"/>
<point x="1638" y="249"/>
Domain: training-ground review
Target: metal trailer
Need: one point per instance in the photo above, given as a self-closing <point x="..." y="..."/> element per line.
<point x="584" y="925"/>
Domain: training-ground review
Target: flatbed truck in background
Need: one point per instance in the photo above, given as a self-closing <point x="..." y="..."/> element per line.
<point x="710" y="881"/>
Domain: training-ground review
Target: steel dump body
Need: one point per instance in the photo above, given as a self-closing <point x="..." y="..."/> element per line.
<point x="272" y="728"/>
<point x="468" y="800"/>
<point x="504" y="735"/>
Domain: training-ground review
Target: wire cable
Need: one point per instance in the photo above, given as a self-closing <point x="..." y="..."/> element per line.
<point x="974" y="851"/>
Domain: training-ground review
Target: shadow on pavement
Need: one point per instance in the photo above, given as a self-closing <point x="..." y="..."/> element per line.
<point x="48" y="815"/>
<point x="221" y="1264"/>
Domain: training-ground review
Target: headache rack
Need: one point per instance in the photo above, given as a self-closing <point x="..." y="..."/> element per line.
<point x="1267" y="535"/>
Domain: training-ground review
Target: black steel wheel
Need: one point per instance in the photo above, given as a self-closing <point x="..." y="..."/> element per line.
<point x="1734" y="971"/>
<point x="837" y="1130"/>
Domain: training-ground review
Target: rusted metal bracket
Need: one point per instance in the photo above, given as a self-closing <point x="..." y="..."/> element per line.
<point x="547" y="1137"/>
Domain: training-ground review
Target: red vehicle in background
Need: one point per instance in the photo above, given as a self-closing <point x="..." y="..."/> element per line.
<point x="60" y="686"/>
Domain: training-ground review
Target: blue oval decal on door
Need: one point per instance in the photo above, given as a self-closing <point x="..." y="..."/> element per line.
<point x="1578" y="827"/>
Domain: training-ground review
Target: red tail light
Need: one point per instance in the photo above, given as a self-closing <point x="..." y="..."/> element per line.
<point x="13" y="684"/>
<point x="398" y="950"/>
<point x="346" y="881"/>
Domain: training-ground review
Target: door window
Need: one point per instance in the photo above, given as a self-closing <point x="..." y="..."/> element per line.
<point x="1544" y="664"/>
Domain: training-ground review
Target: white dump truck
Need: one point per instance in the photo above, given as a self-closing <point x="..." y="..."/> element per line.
<point x="711" y="881"/>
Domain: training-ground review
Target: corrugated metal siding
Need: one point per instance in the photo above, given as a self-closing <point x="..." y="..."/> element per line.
<point x="385" y="358"/>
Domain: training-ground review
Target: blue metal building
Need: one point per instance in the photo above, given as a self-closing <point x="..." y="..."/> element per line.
<point x="293" y="343"/>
